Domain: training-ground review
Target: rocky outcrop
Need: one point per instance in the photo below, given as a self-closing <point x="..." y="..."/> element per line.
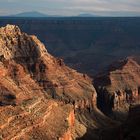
<point x="34" y="122"/>
<point x="59" y="81"/>
<point x="26" y="110"/>
<point x="39" y="94"/>
<point x="40" y="97"/>
<point x="119" y="87"/>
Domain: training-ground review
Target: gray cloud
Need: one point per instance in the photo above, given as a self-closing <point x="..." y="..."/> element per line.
<point x="68" y="7"/>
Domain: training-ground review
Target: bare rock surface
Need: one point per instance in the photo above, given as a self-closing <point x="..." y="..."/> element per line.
<point x="119" y="87"/>
<point x="40" y="97"/>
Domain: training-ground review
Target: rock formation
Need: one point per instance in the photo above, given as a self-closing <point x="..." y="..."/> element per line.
<point x="40" y="97"/>
<point x="50" y="73"/>
<point x="119" y="87"/>
<point x="100" y="40"/>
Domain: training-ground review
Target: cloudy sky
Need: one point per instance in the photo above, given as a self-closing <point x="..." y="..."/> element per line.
<point x="69" y="7"/>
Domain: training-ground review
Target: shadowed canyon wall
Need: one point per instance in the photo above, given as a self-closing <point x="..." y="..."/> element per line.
<point x="86" y="44"/>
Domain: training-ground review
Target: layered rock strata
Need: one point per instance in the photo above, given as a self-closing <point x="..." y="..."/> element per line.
<point x="119" y="87"/>
<point x="39" y="95"/>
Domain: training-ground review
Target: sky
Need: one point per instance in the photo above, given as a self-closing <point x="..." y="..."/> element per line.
<point x="70" y="7"/>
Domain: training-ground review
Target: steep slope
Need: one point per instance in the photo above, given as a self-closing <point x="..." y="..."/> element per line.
<point x="42" y="98"/>
<point x="25" y="111"/>
<point x="29" y="78"/>
<point x="119" y="87"/>
<point x="58" y="80"/>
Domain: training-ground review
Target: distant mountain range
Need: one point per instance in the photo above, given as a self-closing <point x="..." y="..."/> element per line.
<point x="39" y="14"/>
<point x="111" y="14"/>
<point x="95" y="14"/>
<point x="30" y="14"/>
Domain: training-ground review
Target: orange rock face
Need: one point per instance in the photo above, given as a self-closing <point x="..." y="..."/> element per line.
<point x="58" y="80"/>
<point x="66" y="136"/>
<point x="38" y="93"/>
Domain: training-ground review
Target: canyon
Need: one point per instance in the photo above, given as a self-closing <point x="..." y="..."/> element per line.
<point x="42" y="98"/>
<point x="88" y="45"/>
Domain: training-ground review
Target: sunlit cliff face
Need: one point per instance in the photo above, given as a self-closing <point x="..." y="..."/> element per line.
<point x="36" y="88"/>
